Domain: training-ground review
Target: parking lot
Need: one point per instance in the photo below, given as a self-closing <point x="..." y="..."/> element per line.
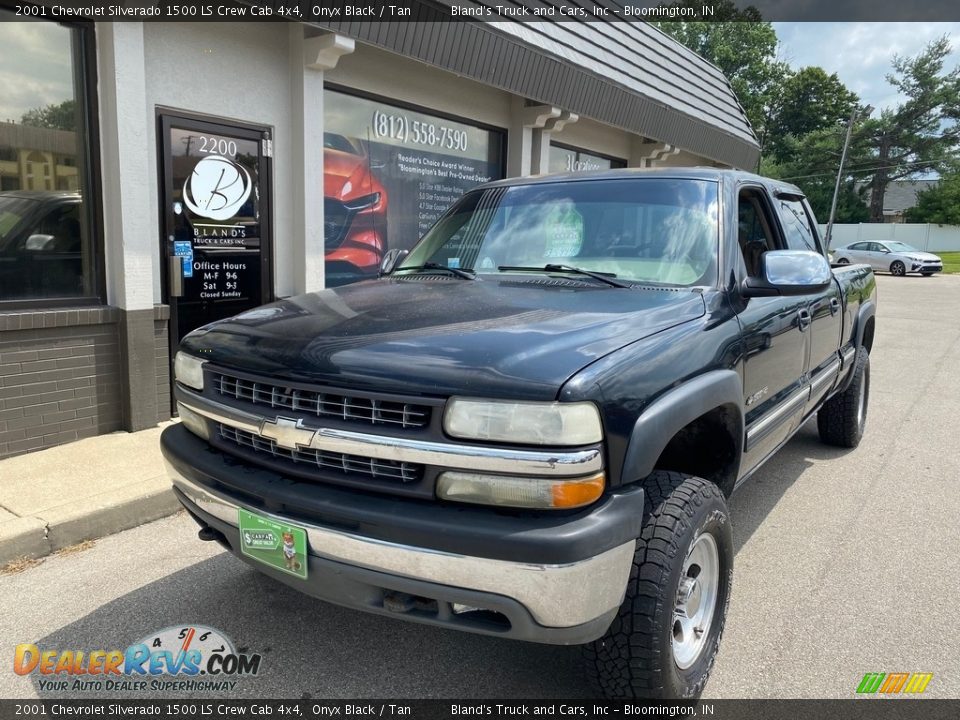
<point x="847" y="562"/>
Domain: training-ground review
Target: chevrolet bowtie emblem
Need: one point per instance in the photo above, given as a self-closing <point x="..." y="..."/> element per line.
<point x="287" y="433"/>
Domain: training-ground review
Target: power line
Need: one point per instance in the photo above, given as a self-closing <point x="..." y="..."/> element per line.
<point x="860" y="168"/>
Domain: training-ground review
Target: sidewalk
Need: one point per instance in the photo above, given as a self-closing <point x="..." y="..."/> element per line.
<point x="61" y="496"/>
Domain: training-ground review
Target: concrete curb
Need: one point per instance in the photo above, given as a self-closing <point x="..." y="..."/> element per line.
<point x="82" y="491"/>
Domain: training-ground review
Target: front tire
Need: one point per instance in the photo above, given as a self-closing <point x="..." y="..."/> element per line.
<point x="664" y="640"/>
<point x="842" y="419"/>
<point x="898" y="268"/>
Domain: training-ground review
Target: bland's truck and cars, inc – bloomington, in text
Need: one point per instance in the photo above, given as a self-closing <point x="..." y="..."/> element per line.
<point x="529" y="424"/>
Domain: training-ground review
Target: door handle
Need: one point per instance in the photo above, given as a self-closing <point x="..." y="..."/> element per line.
<point x="804" y="318"/>
<point x="175" y="273"/>
<point x="834" y="305"/>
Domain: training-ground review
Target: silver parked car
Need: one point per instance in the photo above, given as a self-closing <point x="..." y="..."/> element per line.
<point x="889" y="256"/>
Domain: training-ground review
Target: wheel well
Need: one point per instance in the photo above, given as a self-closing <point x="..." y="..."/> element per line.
<point x="709" y="447"/>
<point x="868" y="334"/>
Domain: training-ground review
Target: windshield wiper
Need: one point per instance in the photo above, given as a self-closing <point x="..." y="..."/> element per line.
<point x="465" y="273"/>
<point x="607" y="278"/>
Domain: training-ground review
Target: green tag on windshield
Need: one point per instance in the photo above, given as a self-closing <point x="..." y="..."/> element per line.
<point x="564" y="230"/>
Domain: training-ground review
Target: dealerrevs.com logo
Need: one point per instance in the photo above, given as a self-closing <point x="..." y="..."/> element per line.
<point x="182" y="658"/>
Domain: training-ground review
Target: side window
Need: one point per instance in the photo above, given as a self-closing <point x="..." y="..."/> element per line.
<point x="754" y="233"/>
<point x="796" y="225"/>
<point x="860" y="246"/>
<point x="58" y="232"/>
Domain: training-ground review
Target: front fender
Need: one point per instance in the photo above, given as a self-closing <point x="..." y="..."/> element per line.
<point x="671" y="412"/>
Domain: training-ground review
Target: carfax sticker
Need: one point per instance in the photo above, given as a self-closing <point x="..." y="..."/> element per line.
<point x="564" y="227"/>
<point x="273" y="543"/>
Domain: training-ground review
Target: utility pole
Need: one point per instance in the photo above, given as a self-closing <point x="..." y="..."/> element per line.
<point x="843" y="159"/>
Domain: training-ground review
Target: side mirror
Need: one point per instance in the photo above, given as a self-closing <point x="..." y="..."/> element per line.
<point x="38" y="242"/>
<point x="391" y="258"/>
<point x="789" y="272"/>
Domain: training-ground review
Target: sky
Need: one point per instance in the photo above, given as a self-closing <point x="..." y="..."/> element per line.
<point x="35" y="65"/>
<point x="860" y="52"/>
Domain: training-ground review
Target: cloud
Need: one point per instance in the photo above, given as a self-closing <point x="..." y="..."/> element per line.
<point x="36" y="69"/>
<point x="861" y="52"/>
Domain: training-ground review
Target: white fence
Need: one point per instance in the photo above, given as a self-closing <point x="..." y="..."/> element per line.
<point x="943" y="238"/>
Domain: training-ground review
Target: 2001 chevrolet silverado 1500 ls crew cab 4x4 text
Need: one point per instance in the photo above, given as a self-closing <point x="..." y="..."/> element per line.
<point x="529" y="424"/>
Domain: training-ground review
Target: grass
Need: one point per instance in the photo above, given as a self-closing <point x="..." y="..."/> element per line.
<point x="25" y="563"/>
<point x="951" y="261"/>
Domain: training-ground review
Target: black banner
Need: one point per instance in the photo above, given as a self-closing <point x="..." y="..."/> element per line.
<point x="866" y="708"/>
<point x="335" y="12"/>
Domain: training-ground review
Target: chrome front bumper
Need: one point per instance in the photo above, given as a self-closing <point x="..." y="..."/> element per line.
<point x="556" y="596"/>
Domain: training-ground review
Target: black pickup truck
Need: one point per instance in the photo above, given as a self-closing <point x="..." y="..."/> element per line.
<point x="528" y="425"/>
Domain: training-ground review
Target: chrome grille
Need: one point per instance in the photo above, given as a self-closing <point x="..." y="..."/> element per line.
<point x="336" y="220"/>
<point x="330" y="461"/>
<point x="323" y="404"/>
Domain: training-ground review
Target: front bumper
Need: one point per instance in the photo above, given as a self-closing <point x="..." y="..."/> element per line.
<point x="547" y="578"/>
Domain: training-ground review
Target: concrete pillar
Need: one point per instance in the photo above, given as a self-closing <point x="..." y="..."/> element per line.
<point x="540" y="145"/>
<point x="131" y="240"/>
<point x="520" y="144"/>
<point x="309" y="58"/>
<point x="649" y="154"/>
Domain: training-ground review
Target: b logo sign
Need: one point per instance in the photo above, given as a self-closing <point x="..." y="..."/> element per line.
<point x="217" y="188"/>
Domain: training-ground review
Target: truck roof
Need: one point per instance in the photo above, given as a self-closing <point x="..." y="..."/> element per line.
<point x="692" y="173"/>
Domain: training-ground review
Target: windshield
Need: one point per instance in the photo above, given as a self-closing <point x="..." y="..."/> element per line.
<point x="901" y="247"/>
<point x="12" y="211"/>
<point x="650" y="230"/>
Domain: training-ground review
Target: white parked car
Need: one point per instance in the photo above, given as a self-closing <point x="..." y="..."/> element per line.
<point x="889" y="256"/>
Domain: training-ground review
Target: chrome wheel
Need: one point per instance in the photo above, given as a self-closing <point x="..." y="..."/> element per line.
<point x="898" y="268"/>
<point x="696" y="601"/>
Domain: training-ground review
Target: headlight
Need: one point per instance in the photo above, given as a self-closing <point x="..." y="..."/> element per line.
<point x="362" y="203"/>
<point x="188" y="370"/>
<point x="523" y="492"/>
<point x="524" y="423"/>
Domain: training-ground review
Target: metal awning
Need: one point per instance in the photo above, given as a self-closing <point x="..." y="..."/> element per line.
<point x="629" y="75"/>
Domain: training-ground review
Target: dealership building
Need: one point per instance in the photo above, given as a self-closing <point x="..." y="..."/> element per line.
<point x="157" y="176"/>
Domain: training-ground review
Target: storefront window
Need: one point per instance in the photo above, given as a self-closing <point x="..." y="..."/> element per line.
<point x="389" y="173"/>
<point x="46" y="238"/>
<point x="568" y="159"/>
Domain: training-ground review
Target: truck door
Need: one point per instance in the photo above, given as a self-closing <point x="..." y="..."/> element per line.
<point x="825" y="308"/>
<point x="774" y="338"/>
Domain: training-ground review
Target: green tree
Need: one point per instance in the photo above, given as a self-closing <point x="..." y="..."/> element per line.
<point x="939" y="204"/>
<point x="921" y="134"/>
<point x="809" y="100"/>
<point x="741" y="45"/>
<point x="62" y="116"/>
<point x="811" y="164"/>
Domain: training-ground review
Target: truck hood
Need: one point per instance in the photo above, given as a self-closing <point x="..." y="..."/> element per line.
<point x="505" y="337"/>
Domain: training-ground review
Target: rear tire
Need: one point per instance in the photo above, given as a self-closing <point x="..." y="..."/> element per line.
<point x="843" y="417"/>
<point x="898" y="268"/>
<point x="843" y="261"/>
<point x="679" y="584"/>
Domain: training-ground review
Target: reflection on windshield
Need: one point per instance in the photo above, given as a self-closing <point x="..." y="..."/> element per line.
<point x="901" y="247"/>
<point x="640" y="229"/>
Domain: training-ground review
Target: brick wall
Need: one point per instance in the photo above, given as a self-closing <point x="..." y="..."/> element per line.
<point x="60" y="377"/>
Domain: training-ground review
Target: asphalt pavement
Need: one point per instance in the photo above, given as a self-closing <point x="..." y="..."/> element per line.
<point x="847" y="562"/>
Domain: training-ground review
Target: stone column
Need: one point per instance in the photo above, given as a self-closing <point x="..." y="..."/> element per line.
<point x="309" y="58"/>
